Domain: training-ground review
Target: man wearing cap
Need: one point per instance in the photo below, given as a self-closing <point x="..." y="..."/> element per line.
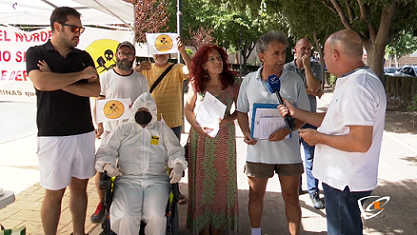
<point x="121" y="82"/>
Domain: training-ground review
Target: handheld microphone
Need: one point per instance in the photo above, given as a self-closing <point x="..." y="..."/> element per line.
<point x="274" y="85"/>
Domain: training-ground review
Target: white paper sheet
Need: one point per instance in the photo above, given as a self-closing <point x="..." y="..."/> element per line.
<point x="267" y="126"/>
<point x="210" y="112"/>
<point x="263" y="113"/>
<point x="113" y="109"/>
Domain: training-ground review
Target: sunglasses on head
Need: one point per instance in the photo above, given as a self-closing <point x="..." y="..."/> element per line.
<point x="74" y="28"/>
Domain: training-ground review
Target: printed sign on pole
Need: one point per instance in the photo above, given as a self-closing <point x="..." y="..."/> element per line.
<point x="161" y="43"/>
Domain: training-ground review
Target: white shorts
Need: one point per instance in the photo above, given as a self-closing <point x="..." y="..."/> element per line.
<point x="63" y="157"/>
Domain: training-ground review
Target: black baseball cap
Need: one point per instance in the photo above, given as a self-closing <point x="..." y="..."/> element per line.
<point x="127" y="44"/>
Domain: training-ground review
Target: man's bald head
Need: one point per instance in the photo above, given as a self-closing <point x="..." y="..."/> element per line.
<point x="347" y="42"/>
<point x="302" y="41"/>
<point x="343" y="52"/>
<point x="302" y="48"/>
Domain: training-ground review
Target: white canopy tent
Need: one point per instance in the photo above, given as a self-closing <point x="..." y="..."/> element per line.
<point x="94" y="12"/>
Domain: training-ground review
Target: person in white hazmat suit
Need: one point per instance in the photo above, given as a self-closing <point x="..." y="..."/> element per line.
<point x="144" y="148"/>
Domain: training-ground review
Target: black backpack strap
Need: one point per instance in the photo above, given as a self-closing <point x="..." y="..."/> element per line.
<point x="160" y="78"/>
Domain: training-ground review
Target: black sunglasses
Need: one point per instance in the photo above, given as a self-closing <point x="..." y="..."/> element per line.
<point x="74" y="28"/>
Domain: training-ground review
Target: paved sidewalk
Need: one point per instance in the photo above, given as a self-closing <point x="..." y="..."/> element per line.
<point x="19" y="173"/>
<point x="397" y="179"/>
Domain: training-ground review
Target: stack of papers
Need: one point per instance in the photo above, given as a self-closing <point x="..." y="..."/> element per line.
<point x="210" y="113"/>
<point x="266" y="119"/>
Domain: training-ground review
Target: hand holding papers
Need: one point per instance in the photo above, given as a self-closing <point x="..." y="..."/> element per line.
<point x="210" y="113"/>
<point x="266" y="119"/>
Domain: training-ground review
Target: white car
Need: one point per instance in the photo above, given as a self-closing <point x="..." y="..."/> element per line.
<point x="406" y="71"/>
<point x="390" y="71"/>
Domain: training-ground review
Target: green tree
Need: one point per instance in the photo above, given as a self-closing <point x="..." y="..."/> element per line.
<point x="376" y="21"/>
<point x="313" y="15"/>
<point x="235" y="30"/>
<point x="238" y="30"/>
<point x="403" y="44"/>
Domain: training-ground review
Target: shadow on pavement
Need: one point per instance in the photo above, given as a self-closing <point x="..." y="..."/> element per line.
<point x="399" y="215"/>
<point x="273" y="220"/>
<point x="401" y="122"/>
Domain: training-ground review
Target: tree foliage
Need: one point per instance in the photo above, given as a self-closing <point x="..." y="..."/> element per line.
<point x="403" y="44"/>
<point x="202" y="36"/>
<point x="151" y="16"/>
<point x="376" y="21"/>
<point x="238" y="30"/>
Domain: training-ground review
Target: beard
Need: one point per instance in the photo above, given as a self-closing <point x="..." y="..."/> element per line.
<point x="124" y="64"/>
<point x="68" y="43"/>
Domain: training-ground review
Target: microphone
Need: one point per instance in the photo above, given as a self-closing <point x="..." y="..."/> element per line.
<point x="274" y="85"/>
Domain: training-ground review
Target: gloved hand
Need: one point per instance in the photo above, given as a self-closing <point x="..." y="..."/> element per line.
<point x="176" y="174"/>
<point x="111" y="170"/>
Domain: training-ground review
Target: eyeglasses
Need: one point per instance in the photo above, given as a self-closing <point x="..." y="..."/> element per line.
<point x="74" y="28"/>
<point x="128" y="55"/>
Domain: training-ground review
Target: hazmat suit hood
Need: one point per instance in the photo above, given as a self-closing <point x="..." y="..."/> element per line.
<point x="145" y="100"/>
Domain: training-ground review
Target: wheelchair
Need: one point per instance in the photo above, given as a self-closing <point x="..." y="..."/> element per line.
<point x="106" y="184"/>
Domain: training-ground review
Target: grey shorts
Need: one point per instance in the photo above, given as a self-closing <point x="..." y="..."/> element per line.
<point x="262" y="170"/>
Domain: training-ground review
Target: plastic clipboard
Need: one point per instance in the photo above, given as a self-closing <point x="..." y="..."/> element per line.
<point x="255" y="107"/>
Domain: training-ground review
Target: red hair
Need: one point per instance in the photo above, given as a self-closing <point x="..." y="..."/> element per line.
<point x="200" y="76"/>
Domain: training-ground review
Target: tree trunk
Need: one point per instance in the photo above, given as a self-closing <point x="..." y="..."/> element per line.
<point x="321" y="57"/>
<point x="375" y="59"/>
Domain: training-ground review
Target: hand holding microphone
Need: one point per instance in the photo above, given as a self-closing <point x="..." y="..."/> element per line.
<point x="274" y="85"/>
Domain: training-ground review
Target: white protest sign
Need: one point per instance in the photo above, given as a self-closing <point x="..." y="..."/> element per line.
<point x="14" y="81"/>
<point x="161" y="43"/>
<point x="15" y="84"/>
<point x="113" y="109"/>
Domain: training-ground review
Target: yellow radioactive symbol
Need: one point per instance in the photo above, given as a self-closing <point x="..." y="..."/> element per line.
<point x="163" y="43"/>
<point x="113" y="109"/>
<point x="103" y="52"/>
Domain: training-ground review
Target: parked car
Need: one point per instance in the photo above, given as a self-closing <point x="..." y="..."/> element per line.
<point x="390" y="71"/>
<point x="407" y="71"/>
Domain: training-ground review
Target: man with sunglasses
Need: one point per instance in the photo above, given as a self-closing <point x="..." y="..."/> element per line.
<point x="120" y="82"/>
<point x="65" y="129"/>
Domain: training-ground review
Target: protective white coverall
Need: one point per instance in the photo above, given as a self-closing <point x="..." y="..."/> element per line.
<point x="142" y="191"/>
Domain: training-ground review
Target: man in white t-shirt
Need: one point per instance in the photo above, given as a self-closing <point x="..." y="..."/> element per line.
<point x="120" y="82"/>
<point x="348" y="141"/>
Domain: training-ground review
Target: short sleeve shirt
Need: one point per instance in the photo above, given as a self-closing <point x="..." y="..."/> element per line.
<point x="114" y="85"/>
<point x="60" y="113"/>
<point x="359" y="99"/>
<point x="168" y="94"/>
<point x="317" y="72"/>
<point x="253" y="90"/>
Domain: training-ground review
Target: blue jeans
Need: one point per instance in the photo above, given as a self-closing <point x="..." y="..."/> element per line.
<point x="342" y="210"/>
<point x="177" y="131"/>
<point x="312" y="183"/>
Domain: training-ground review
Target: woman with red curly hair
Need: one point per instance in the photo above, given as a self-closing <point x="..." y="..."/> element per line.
<point x="212" y="183"/>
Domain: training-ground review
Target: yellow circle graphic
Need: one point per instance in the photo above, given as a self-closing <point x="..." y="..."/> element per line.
<point x="163" y="43"/>
<point x="113" y="109"/>
<point x="103" y="52"/>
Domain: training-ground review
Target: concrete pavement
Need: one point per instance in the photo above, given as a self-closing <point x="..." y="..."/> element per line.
<point x="397" y="179"/>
